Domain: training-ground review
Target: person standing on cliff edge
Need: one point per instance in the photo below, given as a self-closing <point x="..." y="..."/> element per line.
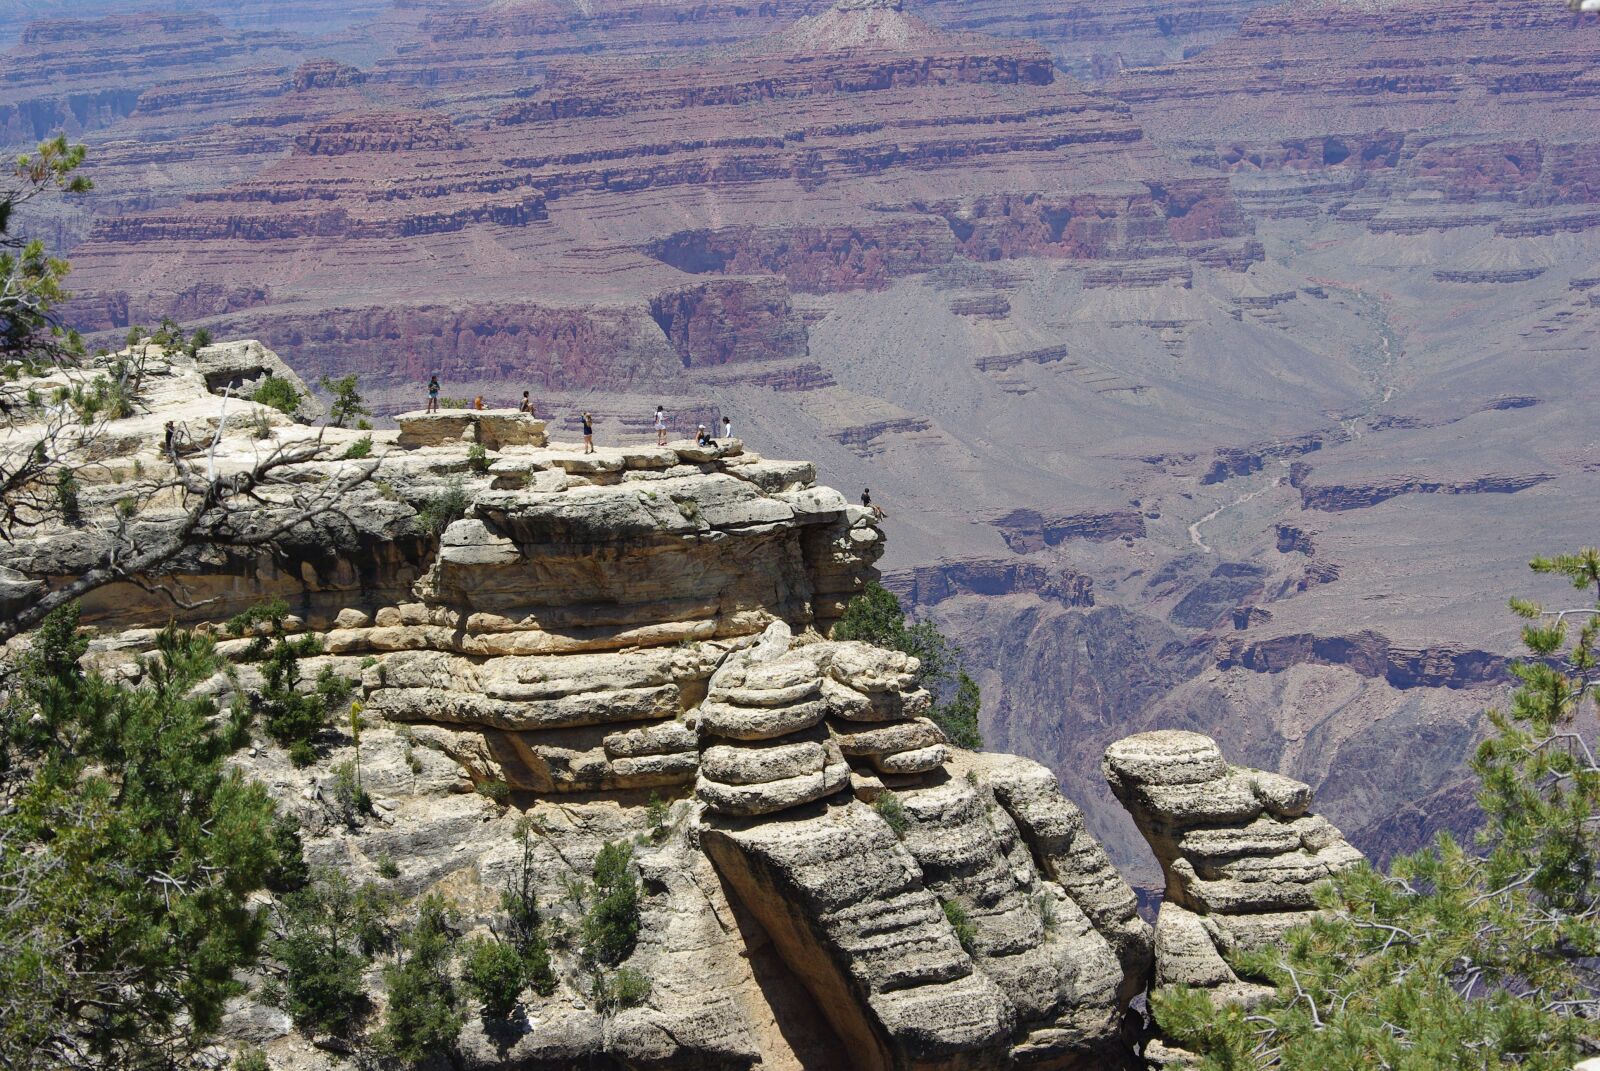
<point x="588" y="432"/>
<point x="433" y="394"/>
<point x="661" y="426"/>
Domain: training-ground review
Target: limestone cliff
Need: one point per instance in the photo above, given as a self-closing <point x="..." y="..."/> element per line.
<point x="540" y="633"/>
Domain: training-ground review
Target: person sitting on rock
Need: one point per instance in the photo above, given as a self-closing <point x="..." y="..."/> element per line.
<point x="527" y="404"/>
<point x="588" y="432"/>
<point x="661" y="426"/>
<point x="866" y="503"/>
<point x="703" y="437"/>
<point x="477" y="403"/>
<point x="433" y="394"/>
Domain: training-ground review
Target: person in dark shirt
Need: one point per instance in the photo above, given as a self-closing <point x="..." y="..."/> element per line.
<point x="866" y="503"/>
<point x="527" y="404"/>
<point x="588" y="432"/>
<point x="433" y="394"/>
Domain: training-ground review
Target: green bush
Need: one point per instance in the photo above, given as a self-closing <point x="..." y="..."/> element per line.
<point x="327" y="934"/>
<point x="136" y="849"/>
<point x="67" y="498"/>
<point x="250" y="1060"/>
<point x="892" y="811"/>
<point x="277" y="393"/>
<point x="478" y="458"/>
<point x="496" y="790"/>
<point x="611" y="925"/>
<point x="493" y="974"/>
<point x="289" y="716"/>
<point x="361" y="448"/>
<point x="347" y="400"/>
<point x="875" y="617"/>
<point x="626" y="987"/>
<point x="387" y="867"/>
<point x="444" y="509"/>
<point x="961" y="923"/>
<point x="525" y="923"/>
<point x="424" y="1016"/>
<point x="350" y="801"/>
<point x="656" y="813"/>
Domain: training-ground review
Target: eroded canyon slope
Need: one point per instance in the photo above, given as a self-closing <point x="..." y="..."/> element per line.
<point x="1228" y="393"/>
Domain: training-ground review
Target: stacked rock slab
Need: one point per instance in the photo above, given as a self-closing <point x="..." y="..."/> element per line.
<point x="572" y="621"/>
<point x="493" y="429"/>
<point x="1240" y="850"/>
<point x="780" y="720"/>
<point x="857" y="907"/>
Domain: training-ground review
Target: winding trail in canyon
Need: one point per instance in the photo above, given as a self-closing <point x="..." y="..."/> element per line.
<point x="1195" y="528"/>
<point x="1385" y="358"/>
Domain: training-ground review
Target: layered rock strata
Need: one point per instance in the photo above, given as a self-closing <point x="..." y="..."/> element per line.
<point x="584" y="629"/>
<point x="1240" y="850"/>
<point x="981" y="928"/>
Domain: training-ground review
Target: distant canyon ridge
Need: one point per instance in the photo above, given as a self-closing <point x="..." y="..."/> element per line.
<point x="1219" y="364"/>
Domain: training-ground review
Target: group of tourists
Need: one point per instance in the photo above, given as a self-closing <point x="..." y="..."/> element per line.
<point x="704" y="436"/>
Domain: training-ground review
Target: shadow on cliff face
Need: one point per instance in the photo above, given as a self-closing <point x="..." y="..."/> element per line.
<point x="1071" y="683"/>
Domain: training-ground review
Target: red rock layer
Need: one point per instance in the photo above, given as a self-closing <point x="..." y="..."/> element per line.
<point x="80" y="75"/>
<point x="849" y="149"/>
<point x="1333" y="65"/>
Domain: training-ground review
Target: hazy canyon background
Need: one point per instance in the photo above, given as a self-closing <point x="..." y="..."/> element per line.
<point x="1220" y="363"/>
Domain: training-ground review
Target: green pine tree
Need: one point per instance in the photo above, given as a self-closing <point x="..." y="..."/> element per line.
<point x="129" y="853"/>
<point x="347" y="401"/>
<point x="424" y="1017"/>
<point x="1458" y="957"/>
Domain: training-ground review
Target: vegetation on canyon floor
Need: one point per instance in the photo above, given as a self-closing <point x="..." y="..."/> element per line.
<point x="1460" y="956"/>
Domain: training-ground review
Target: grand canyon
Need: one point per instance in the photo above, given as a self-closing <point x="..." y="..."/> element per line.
<point x="1219" y="364"/>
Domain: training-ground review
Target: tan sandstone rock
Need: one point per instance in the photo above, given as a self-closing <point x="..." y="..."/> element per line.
<point x="1241" y="856"/>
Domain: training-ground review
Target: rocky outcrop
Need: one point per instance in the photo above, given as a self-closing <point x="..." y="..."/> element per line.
<point x="933" y="584"/>
<point x="1241" y="853"/>
<point x="238" y="369"/>
<point x="493" y="429"/>
<point x="1026" y="531"/>
<point x="1369" y="654"/>
<point x="1333" y="498"/>
<point x="587" y="628"/>
<point x="866" y="913"/>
